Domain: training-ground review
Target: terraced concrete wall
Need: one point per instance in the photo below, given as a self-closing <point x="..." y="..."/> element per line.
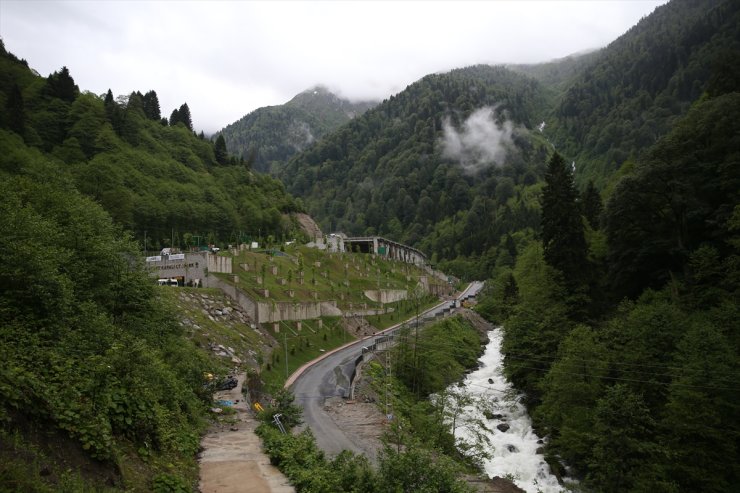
<point x="288" y="310"/>
<point x="386" y="295"/>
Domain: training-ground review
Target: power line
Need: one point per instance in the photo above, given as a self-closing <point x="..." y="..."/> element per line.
<point x="457" y="349"/>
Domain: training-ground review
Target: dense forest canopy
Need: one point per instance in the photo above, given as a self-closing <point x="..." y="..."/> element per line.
<point x="448" y="165"/>
<point x="151" y="174"/>
<point x="631" y="94"/>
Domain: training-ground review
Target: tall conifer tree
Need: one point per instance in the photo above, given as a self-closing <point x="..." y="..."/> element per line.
<point x="222" y="155"/>
<point x="562" y="229"/>
<point x="184" y="114"/>
<point x="151" y="106"/>
<point x="592" y="205"/>
<point x="16" y="111"/>
<point x="175" y="117"/>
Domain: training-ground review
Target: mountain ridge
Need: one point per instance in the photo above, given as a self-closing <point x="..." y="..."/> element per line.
<point x="273" y="134"/>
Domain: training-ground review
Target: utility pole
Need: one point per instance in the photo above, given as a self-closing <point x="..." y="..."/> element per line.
<point x="388" y="382"/>
<point x="285" y="343"/>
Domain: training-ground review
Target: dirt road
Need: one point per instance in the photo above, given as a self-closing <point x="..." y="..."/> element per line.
<point x="232" y="460"/>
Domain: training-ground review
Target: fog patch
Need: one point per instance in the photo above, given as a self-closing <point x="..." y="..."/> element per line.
<point x="300" y="135"/>
<point x="482" y="141"/>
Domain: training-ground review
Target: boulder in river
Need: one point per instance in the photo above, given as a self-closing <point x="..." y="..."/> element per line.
<point x="503" y="427"/>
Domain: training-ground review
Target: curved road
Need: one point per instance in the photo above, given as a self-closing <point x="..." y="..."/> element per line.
<point x="329" y="376"/>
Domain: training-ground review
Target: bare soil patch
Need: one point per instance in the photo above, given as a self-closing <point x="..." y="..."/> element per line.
<point x="232" y="460"/>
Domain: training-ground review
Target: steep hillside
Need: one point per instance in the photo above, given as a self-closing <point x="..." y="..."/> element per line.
<point x="270" y="136"/>
<point x="414" y="166"/>
<point x="557" y="75"/>
<point x="155" y="177"/>
<point x="636" y="88"/>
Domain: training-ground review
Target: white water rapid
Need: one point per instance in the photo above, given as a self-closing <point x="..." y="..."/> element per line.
<point x="514" y="455"/>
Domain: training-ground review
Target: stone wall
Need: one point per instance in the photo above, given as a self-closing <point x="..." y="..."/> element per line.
<point x="245" y="302"/>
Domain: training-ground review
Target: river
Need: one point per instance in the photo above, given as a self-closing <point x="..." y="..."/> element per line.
<point x="514" y="452"/>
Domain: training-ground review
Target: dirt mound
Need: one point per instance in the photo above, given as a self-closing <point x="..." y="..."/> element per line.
<point x="309" y="226"/>
<point x="358" y="327"/>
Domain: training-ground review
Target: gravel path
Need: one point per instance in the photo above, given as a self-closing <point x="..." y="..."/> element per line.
<point x="232" y="460"/>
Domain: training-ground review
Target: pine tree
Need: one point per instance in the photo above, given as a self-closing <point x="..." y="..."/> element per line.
<point x="151" y="106"/>
<point x="222" y="155"/>
<point x="184" y="114"/>
<point x="16" y="111"/>
<point x="592" y="206"/>
<point x="562" y="229"/>
<point x="174" y="117"/>
<point x="61" y="85"/>
<point x="112" y="112"/>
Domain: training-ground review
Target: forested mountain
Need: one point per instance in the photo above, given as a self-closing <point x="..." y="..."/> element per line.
<point x="557" y="75"/>
<point x="414" y="167"/>
<point x="630" y="95"/>
<point x="433" y="165"/>
<point x="272" y="135"/>
<point x="617" y="280"/>
<point x="152" y="175"/>
<point x="620" y="306"/>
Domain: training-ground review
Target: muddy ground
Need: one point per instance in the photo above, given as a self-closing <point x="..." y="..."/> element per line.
<point x="232" y="460"/>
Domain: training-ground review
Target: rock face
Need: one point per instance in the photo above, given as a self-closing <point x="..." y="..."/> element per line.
<point x="229" y="332"/>
<point x="308" y="225"/>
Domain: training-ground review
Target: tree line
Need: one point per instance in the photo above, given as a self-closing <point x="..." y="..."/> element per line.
<point x="154" y="176"/>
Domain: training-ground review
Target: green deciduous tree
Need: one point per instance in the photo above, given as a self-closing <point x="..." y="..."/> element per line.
<point x="625" y="446"/>
<point x="570" y="389"/>
<point x="538" y="323"/>
<point x="702" y="409"/>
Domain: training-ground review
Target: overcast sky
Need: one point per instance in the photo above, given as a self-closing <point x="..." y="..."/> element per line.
<point x="227" y="58"/>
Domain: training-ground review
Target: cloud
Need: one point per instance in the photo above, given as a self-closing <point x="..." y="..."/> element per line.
<point x="482" y="141"/>
<point x="228" y="58"/>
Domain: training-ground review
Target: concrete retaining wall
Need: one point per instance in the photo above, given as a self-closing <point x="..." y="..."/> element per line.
<point x="386" y="295"/>
<point x="439" y="290"/>
<point x="287" y="310"/>
<point x="219" y="264"/>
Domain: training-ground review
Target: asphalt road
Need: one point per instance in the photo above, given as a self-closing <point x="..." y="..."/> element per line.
<point x="330" y="377"/>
